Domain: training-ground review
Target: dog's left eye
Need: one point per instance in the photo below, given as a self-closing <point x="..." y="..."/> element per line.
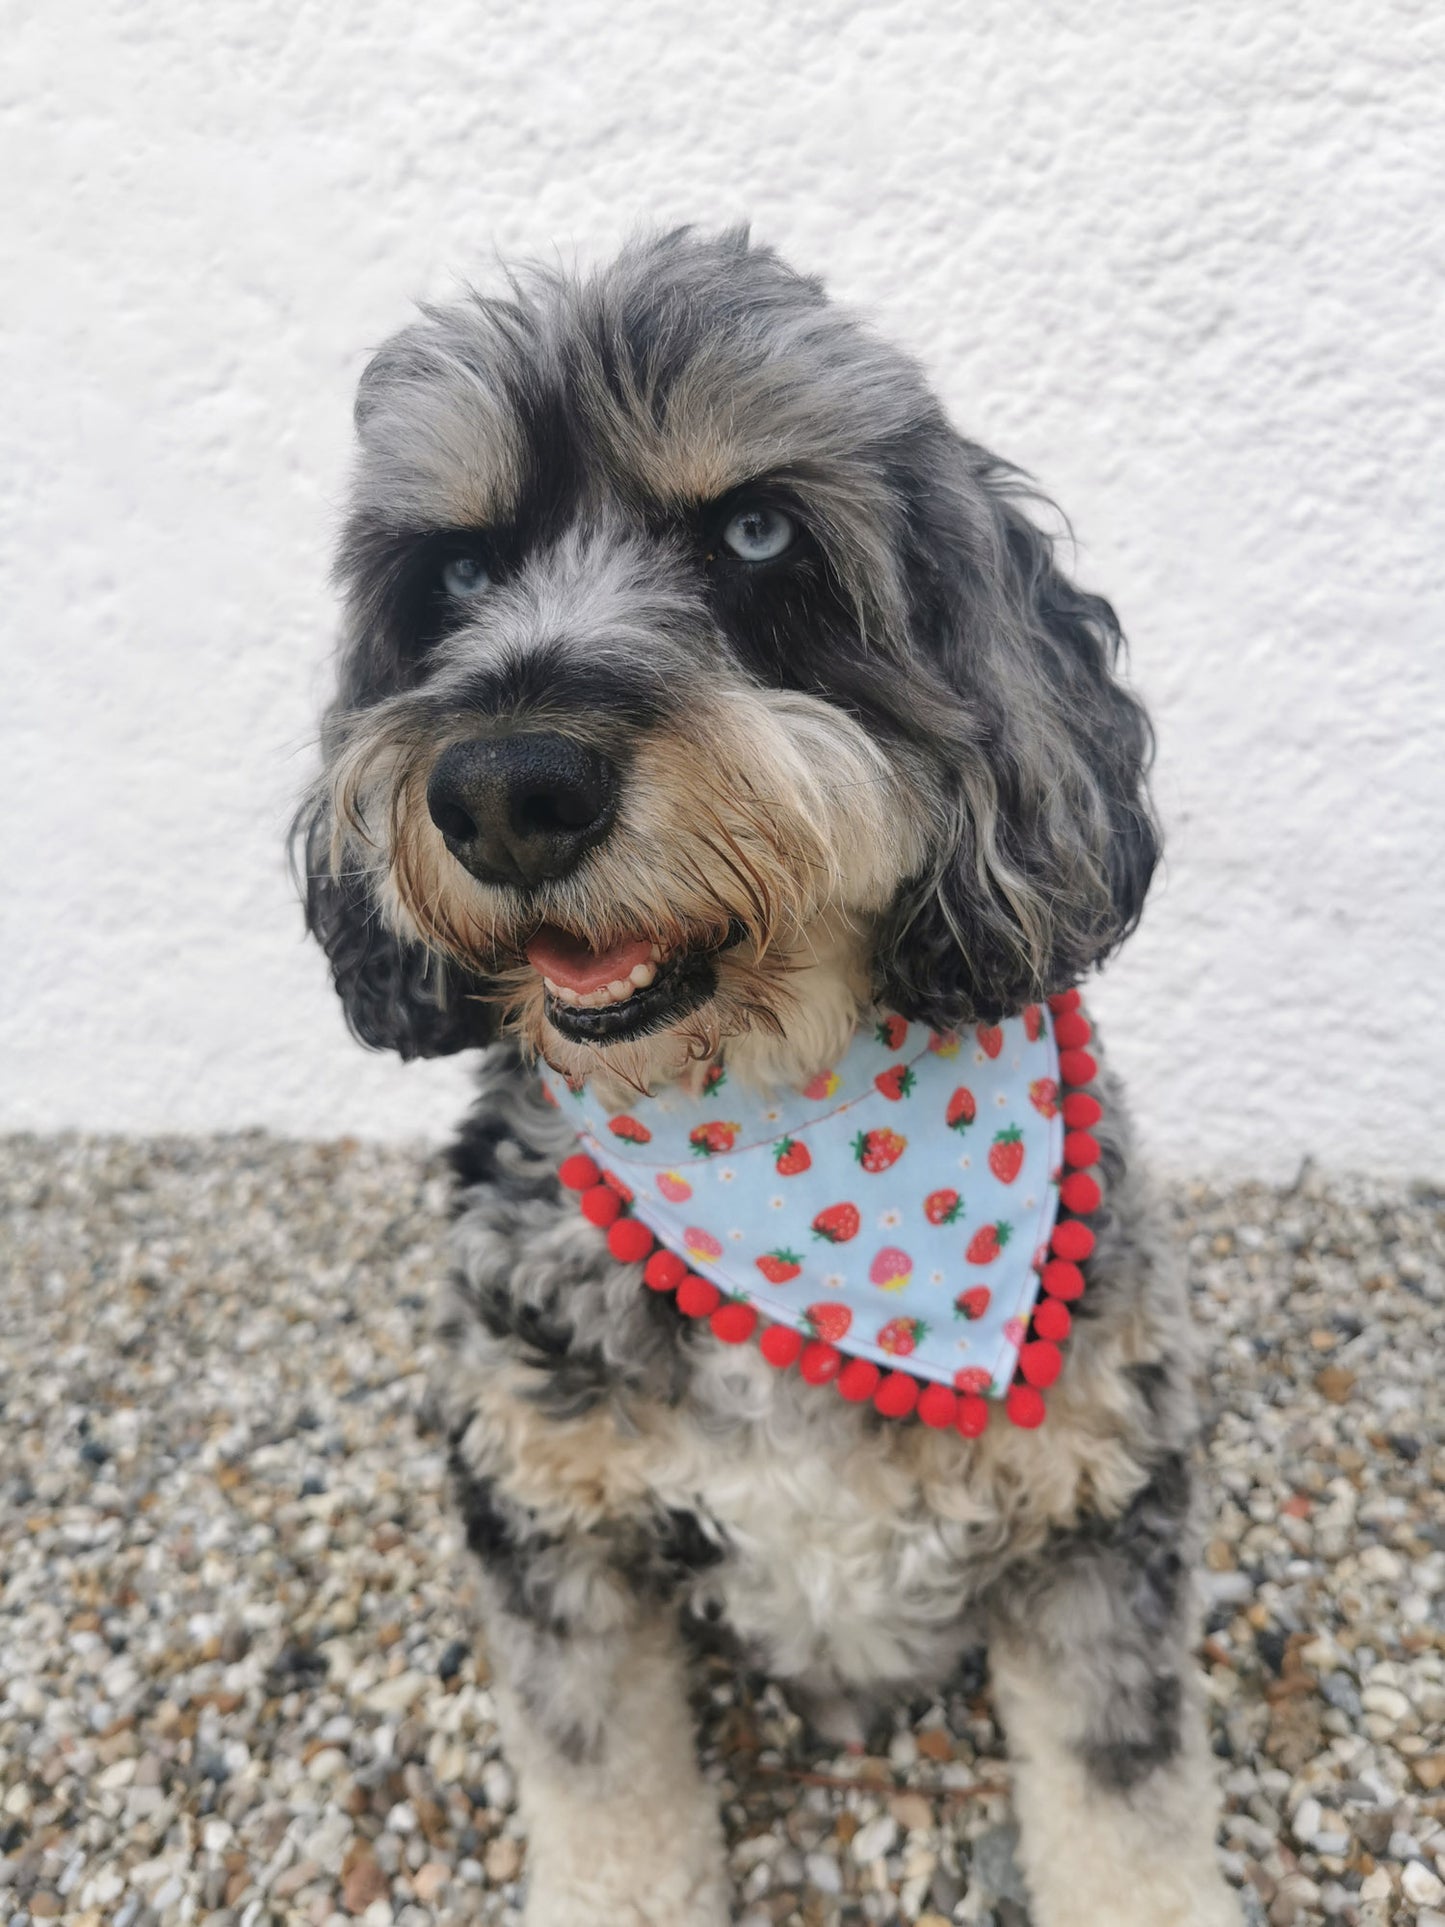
<point x="465" y="576"/>
<point x="757" y="534"/>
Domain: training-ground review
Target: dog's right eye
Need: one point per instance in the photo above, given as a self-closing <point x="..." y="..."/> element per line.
<point x="465" y="576"/>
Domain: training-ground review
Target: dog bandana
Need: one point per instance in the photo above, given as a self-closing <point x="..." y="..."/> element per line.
<point x="907" y="1226"/>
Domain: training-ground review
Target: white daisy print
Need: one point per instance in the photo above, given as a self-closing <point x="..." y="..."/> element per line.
<point x="834" y="1280"/>
<point x="935" y="1277"/>
<point x="736" y="1236"/>
<point x="725" y="1174"/>
<point x="775" y="1204"/>
<point x="888" y="1219"/>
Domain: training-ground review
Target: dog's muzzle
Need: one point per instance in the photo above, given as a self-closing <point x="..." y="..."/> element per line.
<point x="522" y="810"/>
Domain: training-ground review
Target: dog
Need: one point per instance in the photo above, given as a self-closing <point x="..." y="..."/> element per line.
<point x="685" y="638"/>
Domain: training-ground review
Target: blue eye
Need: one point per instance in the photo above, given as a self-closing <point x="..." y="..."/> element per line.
<point x="758" y="534"/>
<point x="465" y="576"/>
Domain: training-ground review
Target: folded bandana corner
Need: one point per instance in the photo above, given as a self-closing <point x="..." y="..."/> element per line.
<point x="890" y="1226"/>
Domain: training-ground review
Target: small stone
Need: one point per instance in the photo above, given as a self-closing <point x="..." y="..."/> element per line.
<point x="1429" y="1770"/>
<point x="503" y="1859"/>
<point x="1419" y="1885"/>
<point x="429" y="1879"/>
<point x="1388" y="1701"/>
<point x="874" y="1839"/>
<point x="329" y="1764"/>
<point x="362" y="1883"/>
<point x="912" y="1812"/>
<point x="822" y="1871"/>
<point x="45" y="1906"/>
<point x="1306" y="1822"/>
<point x="1335" y="1382"/>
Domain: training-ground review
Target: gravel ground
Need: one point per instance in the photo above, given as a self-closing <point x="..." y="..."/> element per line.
<point x="237" y="1684"/>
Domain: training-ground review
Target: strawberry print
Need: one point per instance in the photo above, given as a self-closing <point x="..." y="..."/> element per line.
<point x="1006" y="1154"/>
<point x="791" y="1157"/>
<point x="838" y="1223"/>
<point x="900" y="1336"/>
<point x="698" y="1243"/>
<point x="1033" y="1022"/>
<point x="713" y="1079"/>
<point x="778" y="1267"/>
<point x="943" y="1043"/>
<point x="1015" y="1330"/>
<point x="1044" y="1096"/>
<point x="878" y="1150"/>
<point x="891" y="1269"/>
<point x="972" y="1303"/>
<point x="986" y="1243"/>
<point x="674" y="1187"/>
<point x="942" y="1207"/>
<point x="629" y="1130"/>
<point x="962" y="1109"/>
<point x="707" y="1140"/>
<point x="973" y="1378"/>
<point x="894" y="1083"/>
<point x="892" y="1032"/>
<point x="822" y="1086"/>
<point x="828" y="1322"/>
<point x="990" y="1039"/>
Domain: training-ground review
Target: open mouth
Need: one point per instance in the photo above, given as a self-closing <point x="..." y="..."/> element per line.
<point x="623" y="991"/>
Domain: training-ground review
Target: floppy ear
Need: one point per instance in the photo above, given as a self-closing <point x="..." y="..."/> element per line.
<point x="1048" y="840"/>
<point x="396" y="995"/>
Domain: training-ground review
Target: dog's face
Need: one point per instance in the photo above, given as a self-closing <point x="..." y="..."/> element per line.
<point x="701" y="686"/>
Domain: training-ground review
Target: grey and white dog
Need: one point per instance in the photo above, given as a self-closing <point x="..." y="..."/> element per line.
<point x="678" y="616"/>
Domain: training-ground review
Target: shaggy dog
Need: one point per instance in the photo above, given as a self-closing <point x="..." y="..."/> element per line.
<point x="678" y="615"/>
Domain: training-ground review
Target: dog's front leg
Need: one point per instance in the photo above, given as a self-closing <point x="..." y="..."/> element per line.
<point x="622" y="1829"/>
<point x="1092" y="1674"/>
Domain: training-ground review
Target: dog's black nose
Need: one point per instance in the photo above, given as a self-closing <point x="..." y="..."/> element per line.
<point x="521" y="809"/>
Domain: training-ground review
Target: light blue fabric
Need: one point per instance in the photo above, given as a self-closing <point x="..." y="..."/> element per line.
<point x="899" y="1205"/>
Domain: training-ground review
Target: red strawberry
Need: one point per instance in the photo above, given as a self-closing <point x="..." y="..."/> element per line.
<point x="901" y="1335"/>
<point x="990" y="1039"/>
<point x="708" y="1139"/>
<point x="1044" y="1096"/>
<point x="895" y="1083"/>
<point x="1033" y="1023"/>
<point x="792" y="1157"/>
<point x="779" y="1266"/>
<point x="973" y="1378"/>
<point x="837" y="1224"/>
<point x="986" y="1243"/>
<point x="629" y="1129"/>
<point x="877" y="1150"/>
<point x="891" y="1032"/>
<point x="1006" y="1154"/>
<point x="713" y="1079"/>
<point x="828" y="1322"/>
<point x="972" y="1303"/>
<point x="942" y="1207"/>
<point x="961" y="1109"/>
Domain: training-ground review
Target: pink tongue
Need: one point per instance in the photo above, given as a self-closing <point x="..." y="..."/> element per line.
<point x="569" y="962"/>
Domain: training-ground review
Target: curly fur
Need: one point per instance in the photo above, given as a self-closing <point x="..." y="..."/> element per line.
<point x="900" y="768"/>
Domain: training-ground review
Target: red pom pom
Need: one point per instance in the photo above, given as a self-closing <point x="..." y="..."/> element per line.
<point x="734" y="1323"/>
<point x="696" y="1298"/>
<point x="819" y="1362"/>
<point x="601" y="1206"/>
<point x="629" y="1241"/>
<point x="896" y="1396"/>
<point x="1076" y="1067"/>
<point x="780" y="1345"/>
<point x="1081" y="1148"/>
<point x="1040" y="1362"/>
<point x="972" y="1417"/>
<point x="858" y="1380"/>
<point x="1051" y="1319"/>
<point x="664" y="1271"/>
<point x="1072" y="1030"/>
<point x="1072" y="1240"/>
<point x="1062" y="1279"/>
<point x="1025" y="1406"/>
<point x="579" y="1172"/>
<point x="1081" y="1110"/>
<point x="1080" y="1192"/>
<point x="1063" y="1000"/>
<point x="937" y="1406"/>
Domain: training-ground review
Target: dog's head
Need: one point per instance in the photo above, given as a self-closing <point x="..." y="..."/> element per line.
<point x="701" y="685"/>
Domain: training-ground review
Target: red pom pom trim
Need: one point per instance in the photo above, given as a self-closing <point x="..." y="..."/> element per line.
<point x="605" y="1200"/>
<point x="601" y="1206"/>
<point x="630" y="1241"/>
<point x="780" y="1346"/>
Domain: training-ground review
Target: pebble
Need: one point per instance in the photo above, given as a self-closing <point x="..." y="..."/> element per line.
<point x="234" y="1648"/>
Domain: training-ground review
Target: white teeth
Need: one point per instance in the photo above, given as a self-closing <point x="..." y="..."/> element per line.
<point x="643" y="974"/>
<point x="618" y="990"/>
<point x="657" y="953"/>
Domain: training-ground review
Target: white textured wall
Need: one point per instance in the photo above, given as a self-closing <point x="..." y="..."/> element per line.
<point x="1184" y="262"/>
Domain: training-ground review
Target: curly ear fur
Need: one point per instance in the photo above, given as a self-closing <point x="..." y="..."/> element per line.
<point x="396" y="995"/>
<point x="1042" y="761"/>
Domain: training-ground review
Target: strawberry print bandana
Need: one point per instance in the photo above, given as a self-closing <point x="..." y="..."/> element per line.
<point x="888" y="1226"/>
